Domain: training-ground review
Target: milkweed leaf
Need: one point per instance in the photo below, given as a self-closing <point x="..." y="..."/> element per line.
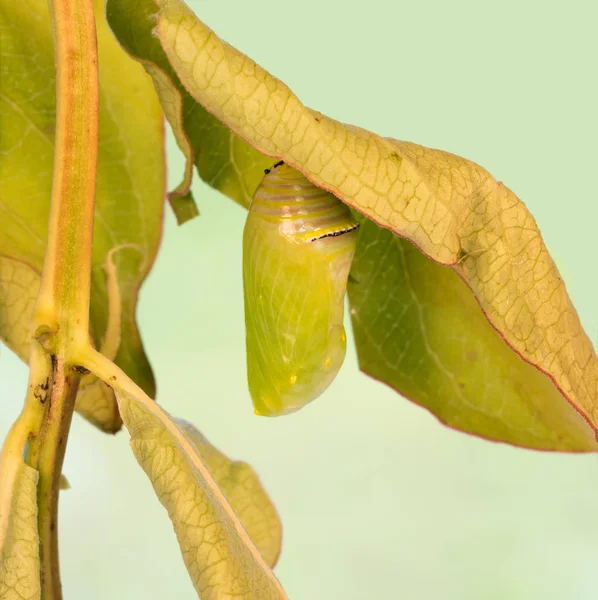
<point x="244" y="492"/>
<point x="220" y="556"/>
<point x="451" y="209"/>
<point x="19" y="538"/>
<point x="223" y="160"/>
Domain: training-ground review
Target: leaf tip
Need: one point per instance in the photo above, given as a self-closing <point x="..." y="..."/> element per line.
<point x="184" y="207"/>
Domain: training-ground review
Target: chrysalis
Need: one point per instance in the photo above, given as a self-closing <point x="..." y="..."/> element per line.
<point x="298" y="245"/>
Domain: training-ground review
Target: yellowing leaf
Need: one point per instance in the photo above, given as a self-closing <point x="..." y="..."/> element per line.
<point x="457" y="214"/>
<point x="244" y="492"/>
<point x="19" y="285"/>
<point x="130" y="188"/>
<point x="181" y="198"/>
<point x="19" y="539"/>
<point x="222" y="561"/>
<point x="96" y="402"/>
<point x="138" y="29"/>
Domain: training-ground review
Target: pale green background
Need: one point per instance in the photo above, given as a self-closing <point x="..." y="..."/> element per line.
<point x="378" y="500"/>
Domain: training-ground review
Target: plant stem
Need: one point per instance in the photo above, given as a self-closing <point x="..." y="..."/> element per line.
<point x="61" y="318"/>
<point x="29" y="422"/>
<point x="63" y="302"/>
<point x="48" y="457"/>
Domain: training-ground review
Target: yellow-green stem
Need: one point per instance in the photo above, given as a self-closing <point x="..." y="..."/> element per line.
<point x="62" y="313"/>
<point x="47" y="456"/>
<point x="29" y="422"/>
<point x="61" y="318"/>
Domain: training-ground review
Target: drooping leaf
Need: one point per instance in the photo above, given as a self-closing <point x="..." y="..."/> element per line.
<point x="64" y="482"/>
<point x="244" y="492"/>
<point x="19" y="538"/>
<point x="419" y="328"/>
<point x="452" y="210"/>
<point x="181" y="198"/>
<point x="95" y="402"/>
<point x="221" y="558"/>
<point x="223" y="160"/>
<point x="130" y="189"/>
<point x="19" y="285"/>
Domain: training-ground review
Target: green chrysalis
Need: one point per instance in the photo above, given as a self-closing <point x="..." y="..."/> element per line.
<point x="298" y="245"/>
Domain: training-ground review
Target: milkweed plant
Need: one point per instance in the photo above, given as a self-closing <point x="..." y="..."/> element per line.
<point x="334" y="211"/>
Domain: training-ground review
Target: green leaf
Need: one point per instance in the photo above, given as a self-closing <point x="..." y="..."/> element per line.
<point x="221" y="558"/>
<point x="418" y="328"/>
<point x="450" y="208"/>
<point x="130" y="190"/>
<point x="19" y="538"/>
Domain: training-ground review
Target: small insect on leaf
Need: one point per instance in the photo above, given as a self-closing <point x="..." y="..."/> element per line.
<point x="298" y="244"/>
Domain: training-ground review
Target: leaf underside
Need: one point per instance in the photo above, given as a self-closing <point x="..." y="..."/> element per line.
<point x="185" y="471"/>
<point x="19" y="538"/>
<point x="509" y="314"/>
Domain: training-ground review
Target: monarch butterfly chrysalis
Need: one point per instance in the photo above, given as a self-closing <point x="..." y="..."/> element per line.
<point x="298" y="245"/>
